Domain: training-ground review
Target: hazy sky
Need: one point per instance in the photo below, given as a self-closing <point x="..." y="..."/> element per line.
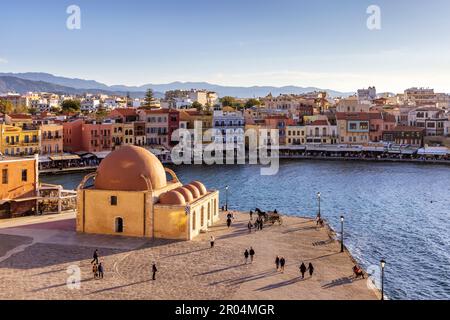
<point x="323" y="43"/>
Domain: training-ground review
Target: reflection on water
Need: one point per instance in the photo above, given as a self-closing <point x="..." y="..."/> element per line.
<point x="399" y="212"/>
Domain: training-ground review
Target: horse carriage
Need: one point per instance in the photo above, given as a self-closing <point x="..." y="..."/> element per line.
<point x="270" y="216"/>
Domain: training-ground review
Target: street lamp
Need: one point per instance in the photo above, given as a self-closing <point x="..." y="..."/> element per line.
<point x="226" y="198"/>
<point x="342" y="233"/>
<point x="318" y="199"/>
<point x="383" y="264"/>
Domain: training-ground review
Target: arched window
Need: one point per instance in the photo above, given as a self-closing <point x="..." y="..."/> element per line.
<point x="215" y="207"/>
<point x="194" y="221"/>
<point x="119" y="225"/>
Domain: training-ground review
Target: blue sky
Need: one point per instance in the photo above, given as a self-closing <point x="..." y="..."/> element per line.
<point x="322" y="43"/>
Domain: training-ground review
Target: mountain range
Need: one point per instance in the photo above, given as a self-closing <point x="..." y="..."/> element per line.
<point x="38" y="81"/>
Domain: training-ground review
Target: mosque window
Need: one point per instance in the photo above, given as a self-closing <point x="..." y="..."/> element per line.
<point x="113" y="200"/>
<point x="194" y="220"/>
<point x="119" y="225"/>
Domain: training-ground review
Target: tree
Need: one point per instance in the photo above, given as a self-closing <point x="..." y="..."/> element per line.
<point x="101" y="113"/>
<point x="227" y="101"/>
<point x="71" y="106"/>
<point x="149" y="99"/>
<point x="252" y="102"/>
<point x="197" y="105"/>
<point x="6" y="106"/>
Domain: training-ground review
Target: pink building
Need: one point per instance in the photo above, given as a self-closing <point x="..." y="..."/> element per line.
<point x="90" y="137"/>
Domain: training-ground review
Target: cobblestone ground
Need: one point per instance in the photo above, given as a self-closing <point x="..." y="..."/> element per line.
<point x="34" y="266"/>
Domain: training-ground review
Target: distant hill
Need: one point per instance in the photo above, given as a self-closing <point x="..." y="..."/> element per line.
<point x="15" y="84"/>
<point x="234" y="91"/>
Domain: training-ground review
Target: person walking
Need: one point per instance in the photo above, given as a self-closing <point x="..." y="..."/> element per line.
<point x="246" y="254"/>
<point x="95" y="257"/>
<point x="211" y="240"/>
<point x="154" y="270"/>
<point x="100" y="270"/>
<point x="250" y="226"/>
<point x="228" y="222"/>
<point x="303" y="270"/>
<point x="252" y="254"/>
<point x="251" y="215"/>
<point x="277" y="262"/>
<point x="311" y="269"/>
<point x="95" y="270"/>
<point x="282" y="263"/>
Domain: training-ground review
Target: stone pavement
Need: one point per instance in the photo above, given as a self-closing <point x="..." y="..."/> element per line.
<point x="37" y="252"/>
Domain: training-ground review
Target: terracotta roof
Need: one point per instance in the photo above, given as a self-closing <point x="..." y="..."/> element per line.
<point x="358" y="116"/>
<point x="20" y="116"/>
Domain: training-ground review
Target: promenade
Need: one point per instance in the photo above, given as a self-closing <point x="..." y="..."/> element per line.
<point x="35" y="253"/>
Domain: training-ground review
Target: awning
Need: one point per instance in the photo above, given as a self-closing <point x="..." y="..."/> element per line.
<point x="437" y="151"/>
<point x="65" y="157"/>
<point x="102" y="154"/>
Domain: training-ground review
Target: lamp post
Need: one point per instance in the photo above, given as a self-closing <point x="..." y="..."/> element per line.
<point x="318" y="199"/>
<point x="342" y="233"/>
<point x="226" y="198"/>
<point x="383" y="264"/>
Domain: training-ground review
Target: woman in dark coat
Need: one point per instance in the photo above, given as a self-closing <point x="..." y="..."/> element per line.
<point x="311" y="269"/>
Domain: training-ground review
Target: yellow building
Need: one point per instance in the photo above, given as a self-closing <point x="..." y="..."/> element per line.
<point x="132" y="196"/>
<point x="295" y="135"/>
<point x="16" y="141"/>
<point x="18" y="186"/>
<point x="122" y="134"/>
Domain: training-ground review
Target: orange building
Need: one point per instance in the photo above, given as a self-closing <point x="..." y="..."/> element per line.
<point x="90" y="137"/>
<point x="18" y="186"/>
<point x="51" y="138"/>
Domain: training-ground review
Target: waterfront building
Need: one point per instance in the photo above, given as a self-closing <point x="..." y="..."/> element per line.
<point x="380" y="122"/>
<point x="404" y="135"/>
<point x="295" y="135"/>
<point x="228" y="126"/>
<point x="280" y="123"/>
<point x="161" y="207"/>
<point x="429" y="117"/>
<point x="122" y="134"/>
<point x="156" y="126"/>
<point x="321" y="132"/>
<point x="19" y="141"/>
<point x="51" y="138"/>
<point x="80" y="135"/>
<point x="353" y="127"/>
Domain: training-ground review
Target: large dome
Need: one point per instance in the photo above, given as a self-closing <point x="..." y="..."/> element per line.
<point x="125" y="168"/>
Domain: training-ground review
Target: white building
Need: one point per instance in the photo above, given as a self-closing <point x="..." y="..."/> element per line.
<point x="228" y="126"/>
<point x="90" y="105"/>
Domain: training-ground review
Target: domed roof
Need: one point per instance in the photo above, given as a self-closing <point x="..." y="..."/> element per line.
<point x="200" y="186"/>
<point x="172" y="198"/>
<point x="188" y="197"/>
<point x="194" y="190"/>
<point x="125" y="169"/>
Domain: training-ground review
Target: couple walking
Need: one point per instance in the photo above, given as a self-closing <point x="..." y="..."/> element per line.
<point x="303" y="269"/>
<point x="248" y="253"/>
<point x="280" y="263"/>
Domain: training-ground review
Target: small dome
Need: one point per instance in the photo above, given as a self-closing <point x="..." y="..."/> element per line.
<point x="172" y="198"/>
<point x="194" y="190"/>
<point x="124" y="169"/>
<point x="188" y="197"/>
<point x="200" y="186"/>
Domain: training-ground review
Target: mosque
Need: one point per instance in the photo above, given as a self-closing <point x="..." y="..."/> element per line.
<point x="132" y="194"/>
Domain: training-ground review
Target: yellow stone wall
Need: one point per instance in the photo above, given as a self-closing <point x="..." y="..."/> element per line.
<point x="97" y="215"/>
<point x="171" y="222"/>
